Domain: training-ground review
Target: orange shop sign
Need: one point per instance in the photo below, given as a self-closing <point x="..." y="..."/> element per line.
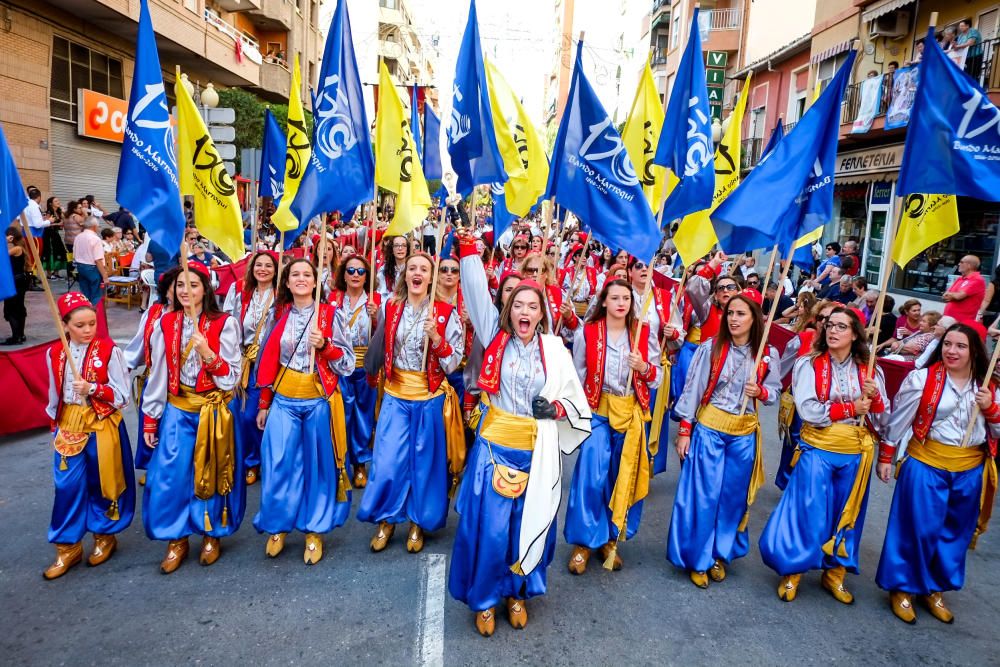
<point x="100" y="116"/>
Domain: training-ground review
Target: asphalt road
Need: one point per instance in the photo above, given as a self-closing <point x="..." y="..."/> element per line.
<point x="356" y="607"/>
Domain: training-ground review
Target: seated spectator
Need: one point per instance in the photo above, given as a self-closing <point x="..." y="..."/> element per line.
<point x="108" y="240"/>
<point x="841" y="291"/>
<point x="824" y="272"/>
<point x="942" y="325"/>
<point x="908" y="321"/>
<point x="202" y="254"/>
<point x="911" y="347"/>
<point x="784" y="302"/>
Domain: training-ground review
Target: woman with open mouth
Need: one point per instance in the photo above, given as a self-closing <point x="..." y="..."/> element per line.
<point x="305" y="486"/>
<point x="817" y="523"/>
<point x="618" y="364"/>
<point x="532" y="408"/>
<point x="939" y="506"/>
<point x="419" y="437"/>
<point x="579" y="280"/>
<point x="195" y="483"/>
<point x="720" y="444"/>
<point x="559" y="311"/>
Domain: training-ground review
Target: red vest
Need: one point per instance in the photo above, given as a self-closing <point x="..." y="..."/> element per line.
<point x="931" y="398"/>
<point x="95" y="370"/>
<point x="172" y="325"/>
<point x="393" y="315"/>
<point x="554" y="298"/>
<point x="489" y="374"/>
<point x="270" y="357"/>
<point x="155" y="312"/>
<point x="595" y="335"/>
<point x="823" y="373"/>
<point x="718" y="363"/>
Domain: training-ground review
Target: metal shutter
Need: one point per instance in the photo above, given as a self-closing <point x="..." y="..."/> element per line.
<point x="83" y="167"/>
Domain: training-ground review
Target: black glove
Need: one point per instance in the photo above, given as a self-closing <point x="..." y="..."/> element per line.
<point x="542" y="409"/>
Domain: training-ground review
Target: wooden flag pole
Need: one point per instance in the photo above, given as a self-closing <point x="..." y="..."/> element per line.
<point x="37" y="265"/>
<point x="432" y="294"/>
<point x="320" y="265"/>
<point x="887" y="243"/>
<point x="372" y="244"/>
<point x="281" y="254"/>
<point x="975" y="408"/>
<point x="188" y="309"/>
<point x="770" y="270"/>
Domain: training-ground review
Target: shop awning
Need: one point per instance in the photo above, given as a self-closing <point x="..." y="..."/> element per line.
<point x="831" y="52"/>
<point x="853" y="179"/>
<point x="883" y="8"/>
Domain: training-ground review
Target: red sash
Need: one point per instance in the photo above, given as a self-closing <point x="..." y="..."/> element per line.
<point x="393" y="315"/>
<point x="95" y="370"/>
<point x="929" y="401"/>
<point x="489" y="374"/>
<point x="172" y="325"/>
<point x="595" y="335"/>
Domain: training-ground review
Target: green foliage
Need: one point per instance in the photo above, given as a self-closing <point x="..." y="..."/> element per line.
<point x="249" y="122"/>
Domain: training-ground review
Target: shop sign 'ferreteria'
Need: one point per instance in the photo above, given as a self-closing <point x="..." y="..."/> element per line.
<point x="870" y="160"/>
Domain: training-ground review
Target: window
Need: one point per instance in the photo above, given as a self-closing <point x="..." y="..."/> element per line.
<point x="75" y="66"/>
<point x="388" y="4"/>
<point x="675" y="31"/>
<point x="829" y="67"/>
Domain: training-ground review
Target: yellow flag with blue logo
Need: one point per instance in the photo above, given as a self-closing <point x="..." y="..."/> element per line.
<point x="927" y="219"/>
<point x="202" y="175"/>
<point x="298" y="149"/>
<point x="695" y="235"/>
<point x="641" y="134"/>
<point x="522" y="150"/>
<point x="397" y="166"/>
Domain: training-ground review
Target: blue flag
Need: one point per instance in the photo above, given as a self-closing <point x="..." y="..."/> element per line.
<point x="472" y="145"/>
<point x="418" y="141"/>
<point x="147" y="171"/>
<point x="685" y="145"/>
<point x="12" y="202"/>
<point x="777" y="134"/>
<point x="795" y="182"/>
<point x="953" y="141"/>
<point x="341" y="170"/>
<point x="272" y="160"/>
<point x="502" y="218"/>
<point x="432" y="144"/>
<point x="592" y="175"/>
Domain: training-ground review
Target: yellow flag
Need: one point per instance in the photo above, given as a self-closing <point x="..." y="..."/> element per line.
<point x="397" y="166"/>
<point x="927" y="219"/>
<point x="297" y="153"/>
<point x="810" y="238"/>
<point x="695" y="235"/>
<point x="203" y="176"/>
<point x="522" y="150"/>
<point x="641" y="134"/>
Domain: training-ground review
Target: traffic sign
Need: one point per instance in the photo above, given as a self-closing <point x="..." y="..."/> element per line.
<point x="717" y="59"/>
<point x="715" y="77"/>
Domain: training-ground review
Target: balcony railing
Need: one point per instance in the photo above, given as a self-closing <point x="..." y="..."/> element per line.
<point x="722" y="19"/>
<point x="250" y="46"/>
<point x="750" y="153"/>
<point x="788" y="127"/>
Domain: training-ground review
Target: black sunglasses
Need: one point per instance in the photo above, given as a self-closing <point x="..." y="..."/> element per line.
<point x="449" y="269"/>
<point x="356" y="271"/>
<point x="520" y="247"/>
<point x="728" y="287"/>
<point x="639" y="266"/>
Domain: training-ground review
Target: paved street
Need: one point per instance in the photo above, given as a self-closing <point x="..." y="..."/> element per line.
<point x="356" y="607"/>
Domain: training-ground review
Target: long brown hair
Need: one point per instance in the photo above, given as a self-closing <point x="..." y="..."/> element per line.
<point x="250" y="281"/>
<point x="601" y="310"/>
<point x="859" y="348"/>
<point x="725" y="337"/>
<point x="504" y="322"/>
<point x="285" y="297"/>
<point x="399" y="292"/>
<point x="977" y="351"/>
<point x="209" y="306"/>
<point x="340" y="282"/>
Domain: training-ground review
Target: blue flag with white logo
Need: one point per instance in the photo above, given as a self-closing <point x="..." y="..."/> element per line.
<point x="685" y="145"/>
<point x="953" y="140"/>
<point x="432" y="144"/>
<point x="592" y="175"/>
<point x="502" y="218"/>
<point x="341" y="170"/>
<point x="791" y="193"/>
<point x="147" y="170"/>
<point x="777" y="134"/>
<point x="472" y="145"/>
<point x="418" y="141"/>
<point x="12" y="202"/>
<point x="272" y="160"/>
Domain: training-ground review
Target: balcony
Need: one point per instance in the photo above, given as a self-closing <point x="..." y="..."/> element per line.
<point x="750" y="153"/>
<point x="248" y="45"/>
<point x="238" y="5"/>
<point x="273" y="15"/>
<point x="275" y="81"/>
<point x="723" y="27"/>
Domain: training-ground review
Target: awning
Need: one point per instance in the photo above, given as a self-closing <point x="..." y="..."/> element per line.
<point x="830" y="52"/>
<point x="885" y="176"/>
<point x="883" y="8"/>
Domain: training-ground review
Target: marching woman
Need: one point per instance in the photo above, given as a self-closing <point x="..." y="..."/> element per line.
<point x="474" y="362"/>
<point x="252" y="304"/>
<point x="92" y="462"/>
<point x="944" y="490"/>
<point x="817" y="523"/>
<point x="195" y="483"/>
<point x="361" y="311"/>
<point x="532" y="409"/>
<point x="579" y="282"/>
<point x="391" y="272"/>
<point x="305" y="485"/>
<point x="419" y="436"/>
<point x="719" y="448"/>
<point x="559" y="311"/>
<point x="611" y="476"/>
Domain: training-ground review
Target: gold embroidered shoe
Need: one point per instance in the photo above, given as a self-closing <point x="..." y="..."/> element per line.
<point x="833" y="581"/>
<point x="275" y="544"/>
<point x="788" y="587"/>
<point x="718" y="571"/>
<point x="177" y="551"/>
<point x="517" y="613"/>
<point x="104" y="546"/>
<point x="360" y="476"/>
<point x="935" y="605"/>
<point x="415" y="540"/>
<point x="211" y="549"/>
<point x="486" y="622"/>
<point x="578" y="560"/>
<point x="382" y="536"/>
<point x="605" y="551"/>
<point x="67" y="555"/>
<point x="314" y="549"/>
<point x="699" y="579"/>
<point x="253" y="472"/>
<point x="902" y="606"/>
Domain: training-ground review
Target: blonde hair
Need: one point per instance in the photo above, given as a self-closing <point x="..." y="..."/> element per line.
<point x="400" y="290"/>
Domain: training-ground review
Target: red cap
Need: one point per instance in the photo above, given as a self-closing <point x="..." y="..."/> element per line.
<point x="71" y="301"/>
<point x="199" y="268"/>
<point x="753" y="295"/>
<point x="488" y="238"/>
<point x="528" y="282"/>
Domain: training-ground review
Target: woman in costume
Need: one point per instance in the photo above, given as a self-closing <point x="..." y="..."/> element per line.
<point x="361" y="312"/>
<point x="946" y="482"/>
<point x="474" y="362"/>
<point x="419" y="436"/>
<point x="532" y="408"/>
<point x="92" y="462"/>
<point x="720" y="445"/>
<point x="611" y="476"/>
<point x="817" y="523"/>
<point x="449" y="292"/>
<point x="195" y="483"/>
<point x="579" y="280"/>
<point x="395" y="251"/>
<point x="559" y="311"/>
<point x="252" y="304"/>
<point x="305" y="485"/>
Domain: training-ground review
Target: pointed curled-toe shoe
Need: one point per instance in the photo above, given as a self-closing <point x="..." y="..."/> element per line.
<point x="67" y="555"/>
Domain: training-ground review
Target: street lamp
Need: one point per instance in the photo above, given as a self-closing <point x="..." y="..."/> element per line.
<point x="209" y="96"/>
<point x="716" y="130"/>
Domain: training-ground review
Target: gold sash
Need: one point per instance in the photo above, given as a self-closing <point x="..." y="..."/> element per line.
<point x="507" y="429"/>
<point x="843" y="439"/>
<point x="961" y="459"/>
<point x="745" y="424"/>
<point x="580" y="307"/>
<point x="786" y="412"/>
<point x="76" y="423"/>
<point x="359" y="355"/>
<point x="660" y="407"/>
<point x="293" y="384"/>
<point x="694" y="335"/>
<point x="412" y="386"/>
<point x="624" y="414"/>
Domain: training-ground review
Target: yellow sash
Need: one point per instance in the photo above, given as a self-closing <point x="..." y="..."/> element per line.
<point x="507" y="429"/>
<point x="694" y="335"/>
<point x="359" y="355"/>
<point x="293" y="384"/>
<point x="660" y="407"/>
<point x="730" y="424"/>
<point x="625" y="415"/>
<point x="961" y="459"/>
<point x="843" y="439"/>
<point x="78" y="420"/>
<point x="252" y="351"/>
<point x="786" y="412"/>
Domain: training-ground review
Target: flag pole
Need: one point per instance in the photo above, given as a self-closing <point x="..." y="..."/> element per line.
<point x="37" y="265"/>
<point x="888" y="242"/>
<point x="434" y="281"/>
<point x="371" y="244"/>
<point x="770" y="270"/>
<point x="320" y="264"/>
<point x="188" y="309"/>
<point x="281" y="253"/>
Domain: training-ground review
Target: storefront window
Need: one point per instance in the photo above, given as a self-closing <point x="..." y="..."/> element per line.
<point x="853" y="211"/>
<point x="932" y="271"/>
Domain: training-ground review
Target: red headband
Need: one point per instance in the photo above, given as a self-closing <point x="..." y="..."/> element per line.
<point x="199" y="268"/>
<point x="71" y="301"/>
